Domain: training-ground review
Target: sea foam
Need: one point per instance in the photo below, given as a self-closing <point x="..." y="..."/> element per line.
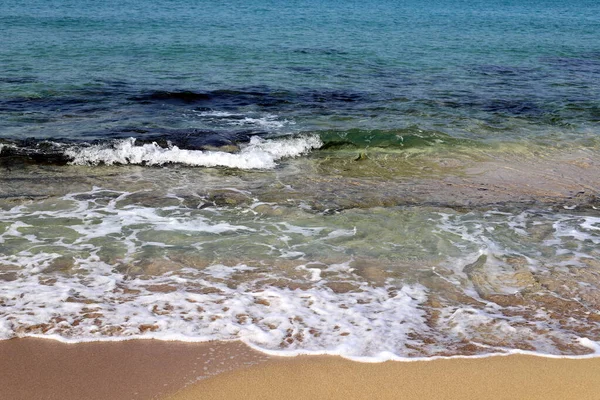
<point x="98" y="266"/>
<point x="257" y="154"/>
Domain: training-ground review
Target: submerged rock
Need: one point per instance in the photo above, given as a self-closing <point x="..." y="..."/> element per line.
<point x="223" y="198"/>
<point x="361" y="157"/>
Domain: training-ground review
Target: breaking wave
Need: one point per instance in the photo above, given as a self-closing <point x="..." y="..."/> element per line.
<point x="259" y="153"/>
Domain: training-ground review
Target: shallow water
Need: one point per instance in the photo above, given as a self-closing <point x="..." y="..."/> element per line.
<point x="221" y="255"/>
<point x="376" y="180"/>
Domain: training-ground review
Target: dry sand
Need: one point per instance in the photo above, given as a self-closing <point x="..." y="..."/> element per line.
<point x="148" y="369"/>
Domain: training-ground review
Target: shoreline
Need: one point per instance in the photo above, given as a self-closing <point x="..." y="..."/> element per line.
<point x="323" y="377"/>
<point x="154" y="369"/>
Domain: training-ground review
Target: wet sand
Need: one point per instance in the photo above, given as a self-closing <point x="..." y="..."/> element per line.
<point x="136" y="369"/>
<point x="148" y="369"/>
<point x="510" y="377"/>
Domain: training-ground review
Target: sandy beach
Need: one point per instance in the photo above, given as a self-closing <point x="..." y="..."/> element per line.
<point x="511" y="377"/>
<point x="205" y="200"/>
<point x="148" y="369"/>
<point x="134" y="369"/>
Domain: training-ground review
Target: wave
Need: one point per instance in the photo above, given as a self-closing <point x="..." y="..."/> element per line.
<point x="355" y="284"/>
<point x="241" y="149"/>
<point x="257" y="154"/>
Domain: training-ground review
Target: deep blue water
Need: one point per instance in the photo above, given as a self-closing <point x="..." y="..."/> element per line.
<point x="509" y="70"/>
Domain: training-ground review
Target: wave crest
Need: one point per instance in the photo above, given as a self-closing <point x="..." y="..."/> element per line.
<point x="257" y="154"/>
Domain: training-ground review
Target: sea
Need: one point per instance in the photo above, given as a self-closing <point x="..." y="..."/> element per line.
<point x="375" y="179"/>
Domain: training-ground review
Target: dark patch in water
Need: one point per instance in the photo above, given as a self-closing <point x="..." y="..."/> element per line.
<point x="178" y="96"/>
<point x="512" y="107"/>
<point x="589" y="63"/>
<point x="72" y="105"/>
<point x="595" y="113"/>
<point x="464" y="100"/>
<point x="227" y="99"/>
<point x="195" y="139"/>
<point x="320" y="51"/>
<point x="498" y="93"/>
<point x="501" y="70"/>
<point x="127" y="131"/>
<point x="17" y="80"/>
<point x="31" y="151"/>
<point x="337" y="96"/>
<point x="305" y="70"/>
<point x="208" y="100"/>
<point x="113" y="83"/>
<point x="333" y="144"/>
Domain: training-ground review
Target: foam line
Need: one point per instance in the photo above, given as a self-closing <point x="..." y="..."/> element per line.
<point x="258" y="154"/>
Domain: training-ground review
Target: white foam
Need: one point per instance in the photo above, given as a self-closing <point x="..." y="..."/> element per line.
<point x="264" y="121"/>
<point x="221" y="271"/>
<point x="258" y="154"/>
<point x="218" y="114"/>
<point x="286" y="227"/>
<point x="338" y="233"/>
<point x="267" y="122"/>
<point x="591" y="223"/>
<point x="98" y="301"/>
<point x="369" y="323"/>
<point x="590" y="344"/>
<point x="292" y="287"/>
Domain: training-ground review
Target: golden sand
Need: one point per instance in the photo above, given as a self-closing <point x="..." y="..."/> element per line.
<point x="40" y="369"/>
<point x="506" y="377"/>
<point x="148" y="369"/>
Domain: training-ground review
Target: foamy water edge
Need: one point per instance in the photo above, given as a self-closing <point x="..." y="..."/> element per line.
<point x="259" y="153"/>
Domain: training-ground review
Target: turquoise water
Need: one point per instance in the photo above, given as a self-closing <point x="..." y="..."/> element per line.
<point x="466" y="68"/>
<point x="378" y="180"/>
